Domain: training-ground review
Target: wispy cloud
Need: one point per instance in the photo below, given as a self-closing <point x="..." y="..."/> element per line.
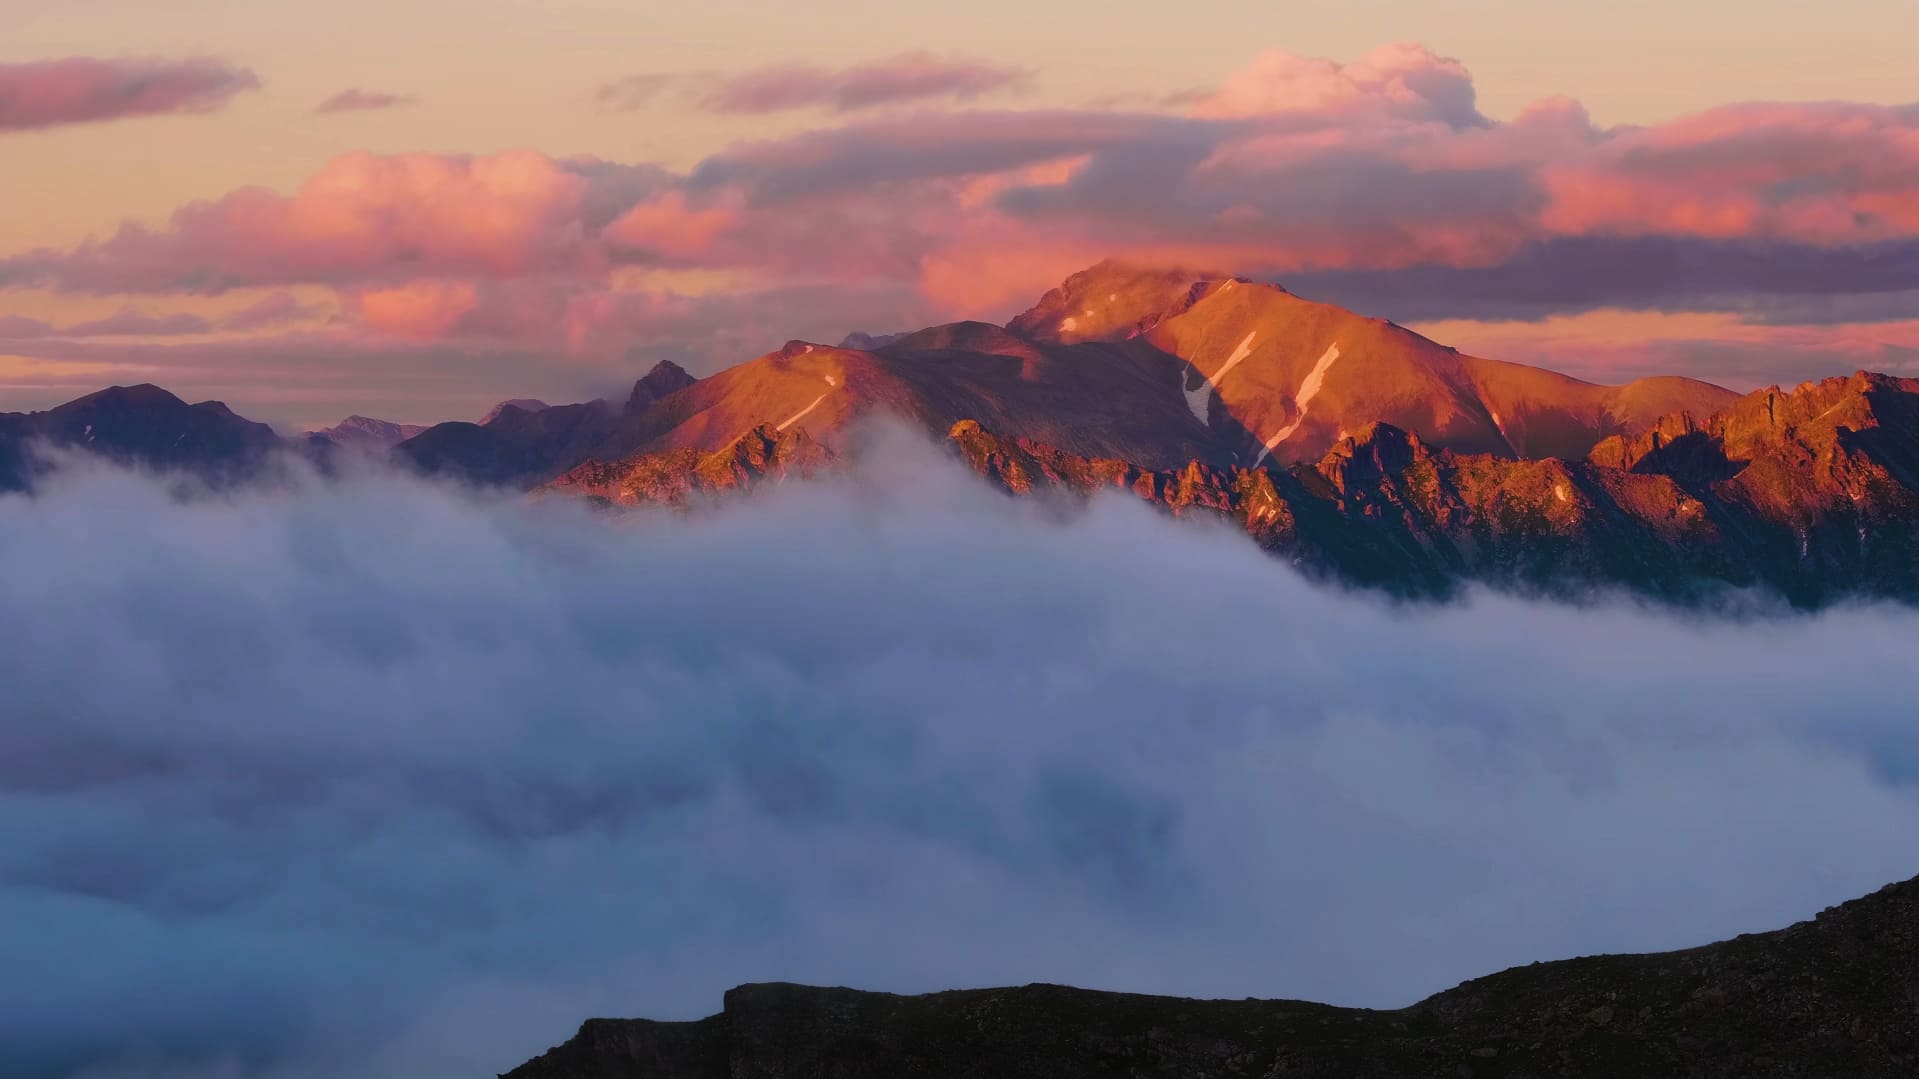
<point x="635" y="91"/>
<point x="357" y="100"/>
<point x="912" y="77"/>
<point x="79" y="90"/>
<point x="127" y="322"/>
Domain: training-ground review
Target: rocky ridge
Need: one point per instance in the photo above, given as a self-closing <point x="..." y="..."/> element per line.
<point x="1835" y="996"/>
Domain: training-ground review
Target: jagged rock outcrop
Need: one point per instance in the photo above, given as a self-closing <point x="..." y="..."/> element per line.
<point x="1811" y="493"/>
<point x="1836" y="997"/>
<point x="665" y="378"/>
<point x="674" y="477"/>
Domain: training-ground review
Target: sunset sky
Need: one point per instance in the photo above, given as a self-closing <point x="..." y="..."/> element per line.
<point x="411" y="208"/>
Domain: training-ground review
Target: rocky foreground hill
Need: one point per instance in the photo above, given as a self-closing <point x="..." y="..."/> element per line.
<point x="1837" y="996"/>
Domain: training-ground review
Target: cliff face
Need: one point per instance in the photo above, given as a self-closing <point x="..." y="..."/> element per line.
<point x="1834" y="996"/>
<point x="1812" y="493"/>
<point x="675" y="477"/>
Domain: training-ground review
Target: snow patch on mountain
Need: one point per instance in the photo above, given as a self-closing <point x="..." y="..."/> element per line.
<point x="1200" y="398"/>
<point x="796" y="417"/>
<point x="1308" y="389"/>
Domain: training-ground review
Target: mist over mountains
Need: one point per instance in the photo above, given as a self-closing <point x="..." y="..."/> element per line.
<point x="375" y="776"/>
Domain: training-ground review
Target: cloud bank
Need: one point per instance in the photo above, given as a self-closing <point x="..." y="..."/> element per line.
<point x="375" y="778"/>
<point x="83" y="89"/>
<point x="1374" y="182"/>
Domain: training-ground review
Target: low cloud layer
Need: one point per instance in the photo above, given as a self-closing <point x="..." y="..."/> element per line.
<point x="83" y="89"/>
<point x="377" y="778"/>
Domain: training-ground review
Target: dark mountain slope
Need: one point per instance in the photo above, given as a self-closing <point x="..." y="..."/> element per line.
<point x="522" y="443"/>
<point x="674" y="477"/>
<point x="137" y="425"/>
<point x="1837" y="996"/>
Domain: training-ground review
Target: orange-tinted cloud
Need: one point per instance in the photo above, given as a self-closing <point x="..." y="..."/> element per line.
<point x="670" y="227"/>
<point x="1822" y="173"/>
<point x="1613" y="346"/>
<point x="80" y="90"/>
<point x="420" y="309"/>
<point x="361" y="218"/>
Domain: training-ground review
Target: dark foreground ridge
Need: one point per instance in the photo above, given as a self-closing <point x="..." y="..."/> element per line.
<point x="1834" y="996"/>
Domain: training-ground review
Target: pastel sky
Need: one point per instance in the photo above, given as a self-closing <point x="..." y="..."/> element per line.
<point x="411" y="208"/>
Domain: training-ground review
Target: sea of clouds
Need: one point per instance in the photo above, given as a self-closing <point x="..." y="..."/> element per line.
<point x="370" y="777"/>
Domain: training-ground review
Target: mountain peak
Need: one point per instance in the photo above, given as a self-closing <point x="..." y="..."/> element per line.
<point x="666" y="377"/>
<point x="1114" y="300"/>
<point x="868" y="342"/>
<point x="143" y="395"/>
<point x="524" y="404"/>
<point x="366" y="432"/>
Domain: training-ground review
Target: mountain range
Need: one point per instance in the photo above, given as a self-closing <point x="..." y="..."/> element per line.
<point x="1836" y="996"/>
<point x="1350" y="446"/>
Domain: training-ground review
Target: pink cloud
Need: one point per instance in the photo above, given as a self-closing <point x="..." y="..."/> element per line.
<point x="364" y="217"/>
<point x="358" y="100"/>
<point x="1612" y="346"/>
<point x="1403" y="81"/>
<point x="20" y="327"/>
<point x="671" y="227"/>
<point x="79" y="90"/>
<point x="1295" y="167"/>
<point x="420" y="310"/>
<point x="1827" y="173"/>
<point x="129" y="322"/>
<point x="274" y="309"/>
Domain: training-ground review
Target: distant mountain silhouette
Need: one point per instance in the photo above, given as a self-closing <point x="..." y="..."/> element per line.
<point x="367" y="434"/>
<point x="137" y="425"/>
